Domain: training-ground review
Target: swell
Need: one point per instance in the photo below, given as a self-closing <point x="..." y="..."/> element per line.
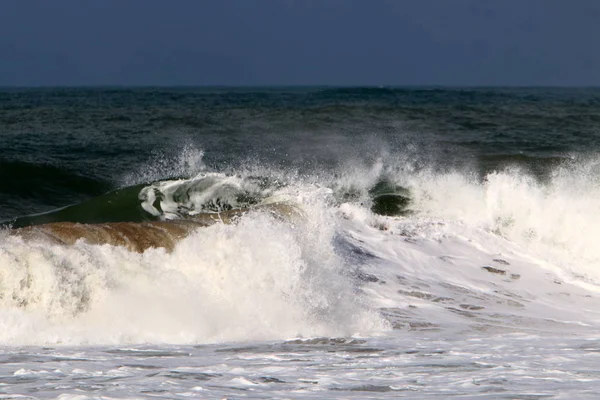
<point x="25" y="186"/>
<point x="120" y="205"/>
<point x="26" y="178"/>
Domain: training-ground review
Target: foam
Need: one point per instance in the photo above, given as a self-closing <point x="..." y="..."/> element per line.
<point x="557" y="221"/>
<point x="262" y="278"/>
<point x="335" y="271"/>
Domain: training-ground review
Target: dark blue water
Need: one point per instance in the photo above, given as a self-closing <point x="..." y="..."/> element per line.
<point x="63" y="146"/>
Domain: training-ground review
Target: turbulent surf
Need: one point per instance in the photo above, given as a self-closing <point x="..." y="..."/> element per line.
<point x="297" y="243"/>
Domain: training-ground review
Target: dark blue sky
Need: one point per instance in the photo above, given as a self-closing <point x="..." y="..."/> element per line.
<point x="300" y="42"/>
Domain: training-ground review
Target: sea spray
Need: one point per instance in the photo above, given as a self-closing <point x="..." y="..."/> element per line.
<point x="556" y="220"/>
<point x="262" y="278"/>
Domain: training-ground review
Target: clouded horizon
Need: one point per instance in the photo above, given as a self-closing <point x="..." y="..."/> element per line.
<point x="293" y="42"/>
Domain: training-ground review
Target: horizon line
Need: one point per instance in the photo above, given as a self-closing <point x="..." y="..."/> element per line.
<point x="276" y="86"/>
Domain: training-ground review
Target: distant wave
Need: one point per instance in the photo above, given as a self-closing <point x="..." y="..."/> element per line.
<point x="30" y="185"/>
<point x="22" y="178"/>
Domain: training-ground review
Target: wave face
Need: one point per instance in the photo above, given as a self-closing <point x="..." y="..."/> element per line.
<point x="254" y="216"/>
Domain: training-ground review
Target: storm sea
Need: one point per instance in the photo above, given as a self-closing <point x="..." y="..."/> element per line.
<point x="296" y="243"/>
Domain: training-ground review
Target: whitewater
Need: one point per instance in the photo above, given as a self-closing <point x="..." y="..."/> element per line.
<point x="392" y="274"/>
<point x="480" y="288"/>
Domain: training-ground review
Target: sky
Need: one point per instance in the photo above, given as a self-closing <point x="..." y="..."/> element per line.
<point x="300" y="42"/>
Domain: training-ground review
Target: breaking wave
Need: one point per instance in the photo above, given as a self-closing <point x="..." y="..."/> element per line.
<point x="270" y="254"/>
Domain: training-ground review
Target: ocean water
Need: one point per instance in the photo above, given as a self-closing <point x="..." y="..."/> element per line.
<point x="337" y="243"/>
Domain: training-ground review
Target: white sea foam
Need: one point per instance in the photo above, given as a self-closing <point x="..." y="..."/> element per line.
<point x="509" y="244"/>
<point x="490" y="287"/>
<point x="263" y="278"/>
<point x="557" y="222"/>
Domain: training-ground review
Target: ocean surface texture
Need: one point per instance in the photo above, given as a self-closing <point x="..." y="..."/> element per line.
<point x="299" y="243"/>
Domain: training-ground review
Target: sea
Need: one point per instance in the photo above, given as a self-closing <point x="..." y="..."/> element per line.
<point x="443" y="243"/>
